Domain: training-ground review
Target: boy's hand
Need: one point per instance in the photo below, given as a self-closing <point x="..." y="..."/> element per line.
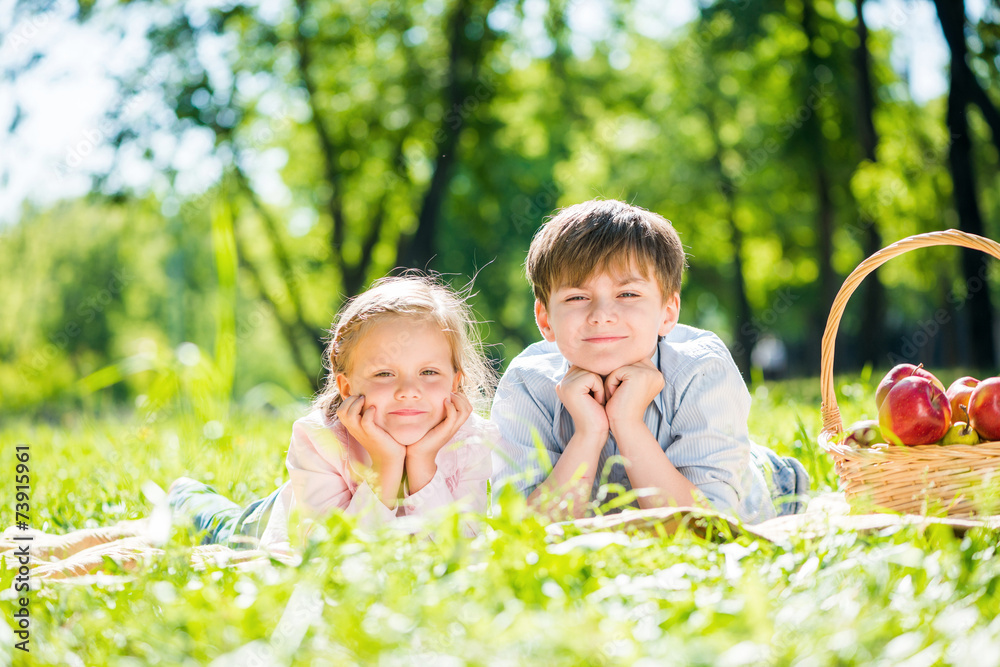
<point x="456" y="411"/>
<point x="584" y="396"/>
<point x="360" y="423"/>
<point x="630" y="390"/>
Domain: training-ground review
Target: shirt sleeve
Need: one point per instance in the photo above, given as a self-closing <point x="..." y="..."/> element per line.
<point x="317" y="464"/>
<point x="711" y="444"/>
<point x="465" y="485"/>
<point x="528" y="449"/>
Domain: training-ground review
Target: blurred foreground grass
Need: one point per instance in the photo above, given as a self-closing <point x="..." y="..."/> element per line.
<point x="507" y="597"/>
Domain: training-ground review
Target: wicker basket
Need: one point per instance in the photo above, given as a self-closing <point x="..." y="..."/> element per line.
<point x="911" y="480"/>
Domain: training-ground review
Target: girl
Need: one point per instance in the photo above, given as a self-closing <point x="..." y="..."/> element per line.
<point x="392" y="433"/>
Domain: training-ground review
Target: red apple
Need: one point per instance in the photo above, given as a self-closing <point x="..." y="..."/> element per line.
<point x="898" y="373"/>
<point x="958" y="395"/>
<point x="915" y="412"/>
<point x="984" y="409"/>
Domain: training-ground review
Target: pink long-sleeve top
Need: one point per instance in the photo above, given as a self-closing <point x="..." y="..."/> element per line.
<point x="323" y="462"/>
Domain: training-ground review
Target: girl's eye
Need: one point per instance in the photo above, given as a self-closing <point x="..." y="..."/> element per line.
<point x="383" y="374"/>
<point x="430" y="371"/>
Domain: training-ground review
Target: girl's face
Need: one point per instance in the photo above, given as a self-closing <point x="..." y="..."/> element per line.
<point x="403" y="367"/>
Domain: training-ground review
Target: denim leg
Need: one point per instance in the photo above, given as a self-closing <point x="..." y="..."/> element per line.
<point x="209" y="511"/>
<point x="224" y="521"/>
<point x="787" y="480"/>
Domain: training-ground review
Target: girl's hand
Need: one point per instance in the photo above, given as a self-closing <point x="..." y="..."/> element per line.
<point x="360" y="423"/>
<point x="421" y="455"/>
<point x="457" y="409"/>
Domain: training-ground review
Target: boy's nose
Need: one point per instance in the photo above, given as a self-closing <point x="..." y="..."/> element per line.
<point x="602" y="312"/>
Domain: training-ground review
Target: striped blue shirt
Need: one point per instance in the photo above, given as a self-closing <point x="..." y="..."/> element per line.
<point x="699" y="419"/>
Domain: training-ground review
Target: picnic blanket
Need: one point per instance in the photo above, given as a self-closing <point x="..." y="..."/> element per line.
<point x="824" y="513"/>
<point x="85" y="556"/>
<point x="123" y="548"/>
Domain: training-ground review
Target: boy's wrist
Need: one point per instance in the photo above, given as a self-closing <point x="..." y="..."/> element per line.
<point x="625" y="429"/>
<point x="589" y="438"/>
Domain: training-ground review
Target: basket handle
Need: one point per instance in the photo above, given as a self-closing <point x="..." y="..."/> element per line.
<point x="830" y="411"/>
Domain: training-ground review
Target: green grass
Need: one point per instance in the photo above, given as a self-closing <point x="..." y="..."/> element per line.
<point x="503" y="598"/>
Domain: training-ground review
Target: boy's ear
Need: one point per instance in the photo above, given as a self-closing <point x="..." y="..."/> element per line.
<point x="343" y="385"/>
<point x="671" y="312"/>
<point x="542" y="320"/>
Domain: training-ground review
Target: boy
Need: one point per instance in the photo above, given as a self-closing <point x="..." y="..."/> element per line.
<point x="617" y="376"/>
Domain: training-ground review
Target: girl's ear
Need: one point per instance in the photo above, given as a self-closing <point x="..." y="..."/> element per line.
<point x="343" y="385"/>
<point x="457" y="382"/>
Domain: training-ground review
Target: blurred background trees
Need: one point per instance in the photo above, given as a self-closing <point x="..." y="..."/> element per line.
<point x="270" y="159"/>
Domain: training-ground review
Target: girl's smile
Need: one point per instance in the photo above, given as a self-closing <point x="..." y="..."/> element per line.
<point x="404" y="369"/>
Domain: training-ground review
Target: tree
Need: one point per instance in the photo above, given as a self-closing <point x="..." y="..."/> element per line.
<point x="964" y="90"/>
<point x="874" y="294"/>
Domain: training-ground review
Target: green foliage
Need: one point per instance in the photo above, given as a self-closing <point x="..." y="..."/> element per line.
<point x="514" y="594"/>
<point x="331" y="123"/>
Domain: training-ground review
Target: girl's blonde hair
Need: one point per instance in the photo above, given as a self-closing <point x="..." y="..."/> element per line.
<point x="412" y="295"/>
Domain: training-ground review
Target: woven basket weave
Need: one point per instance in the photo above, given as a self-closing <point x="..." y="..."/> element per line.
<point x="911" y="480"/>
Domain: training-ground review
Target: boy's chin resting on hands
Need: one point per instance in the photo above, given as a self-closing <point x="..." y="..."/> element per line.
<point x="630" y="389"/>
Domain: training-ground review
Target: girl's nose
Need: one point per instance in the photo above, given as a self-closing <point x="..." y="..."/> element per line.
<point x="407" y="388"/>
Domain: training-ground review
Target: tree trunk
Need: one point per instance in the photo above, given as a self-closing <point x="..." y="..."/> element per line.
<point x="974" y="264"/>
<point x="872" y="342"/>
<point x="746" y="337"/>
<point x="465" y="93"/>
<point x="824" y="200"/>
<point x="744" y="334"/>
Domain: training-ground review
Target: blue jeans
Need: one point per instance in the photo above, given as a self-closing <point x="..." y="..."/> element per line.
<point x="222" y="520"/>
<point x="786" y="478"/>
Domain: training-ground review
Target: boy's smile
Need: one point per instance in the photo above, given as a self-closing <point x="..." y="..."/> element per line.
<point x="609" y="321"/>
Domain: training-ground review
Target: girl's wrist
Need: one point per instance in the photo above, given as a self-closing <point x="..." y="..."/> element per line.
<point x="383" y="462"/>
<point x="420" y="455"/>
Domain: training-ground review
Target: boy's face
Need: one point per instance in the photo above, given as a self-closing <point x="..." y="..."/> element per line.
<point x="609" y="321"/>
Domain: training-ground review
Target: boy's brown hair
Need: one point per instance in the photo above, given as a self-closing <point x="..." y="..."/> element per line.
<point x="604" y="235"/>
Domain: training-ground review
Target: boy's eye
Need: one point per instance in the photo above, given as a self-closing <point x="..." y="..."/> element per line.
<point x="575" y="298"/>
<point x="629" y="294"/>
